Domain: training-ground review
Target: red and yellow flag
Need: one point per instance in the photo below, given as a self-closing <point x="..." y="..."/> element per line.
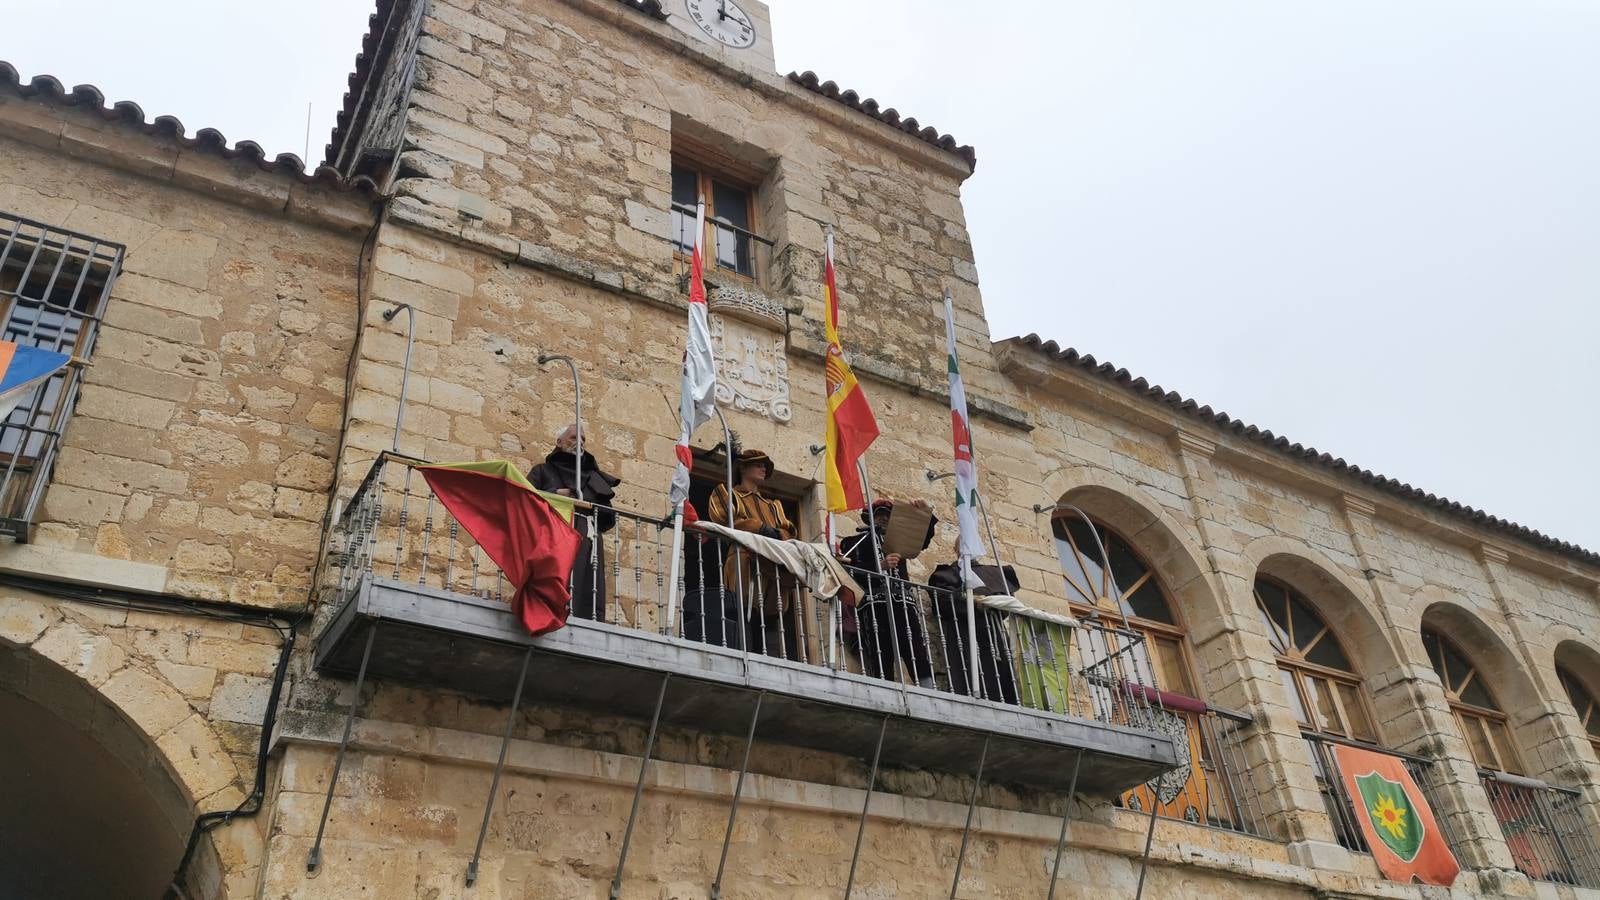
<point x="851" y="427"/>
<point x="527" y="533"/>
<point x="1395" y="817"/>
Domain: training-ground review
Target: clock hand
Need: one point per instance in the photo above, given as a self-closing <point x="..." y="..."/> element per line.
<point x="722" y="10"/>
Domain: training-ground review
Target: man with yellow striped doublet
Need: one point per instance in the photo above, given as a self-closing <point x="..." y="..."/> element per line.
<point x="767" y="586"/>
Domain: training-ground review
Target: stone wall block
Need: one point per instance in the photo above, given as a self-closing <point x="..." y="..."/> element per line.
<point x="150" y="290"/>
<point x="198" y="757"/>
<point x="468" y="23"/>
<point x="149" y="701"/>
<point x="450" y="54"/>
<point x="453" y="84"/>
<point x="78" y="506"/>
<point x="240" y="698"/>
<point x="83" y="652"/>
<point x="23" y="619"/>
<point x="103" y="402"/>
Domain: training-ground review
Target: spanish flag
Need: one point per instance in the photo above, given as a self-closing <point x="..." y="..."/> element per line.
<point x="851" y="428"/>
<point x="527" y="532"/>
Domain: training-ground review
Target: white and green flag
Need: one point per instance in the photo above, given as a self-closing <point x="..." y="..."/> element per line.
<point x="970" y="546"/>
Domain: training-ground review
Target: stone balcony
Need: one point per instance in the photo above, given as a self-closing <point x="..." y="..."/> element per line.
<point x="414" y="602"/>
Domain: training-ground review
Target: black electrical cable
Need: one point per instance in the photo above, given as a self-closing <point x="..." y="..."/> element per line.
<point x="251" y="804"/>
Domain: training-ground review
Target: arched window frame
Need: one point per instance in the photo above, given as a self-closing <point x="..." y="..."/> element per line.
<point x="1325" y="699"/>
<point x="1583" y="703"/>
<point x="1478" y="715"/>
<point x="1172" y="657"/>
<point x="1204" y="793"/>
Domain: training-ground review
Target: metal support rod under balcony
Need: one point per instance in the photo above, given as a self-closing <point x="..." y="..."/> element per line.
<point x="499" y="767"/>
<point x="866" y="802"/>
<point x="1149" y="838"/>
<point x="738" y="788"/>
<point x="1066" y="816"/>
<point x="314" y="858"/>
<point x="972" y="808"/>
<point x="638" y="789"/>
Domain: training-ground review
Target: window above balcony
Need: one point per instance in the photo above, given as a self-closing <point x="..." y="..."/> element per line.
<point x="732" y="239"/>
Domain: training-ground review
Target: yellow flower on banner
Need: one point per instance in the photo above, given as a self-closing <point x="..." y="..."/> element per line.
<point x="1390" y="817"/>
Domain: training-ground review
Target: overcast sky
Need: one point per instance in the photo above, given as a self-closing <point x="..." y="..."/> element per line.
<point x="1373" y="227"/>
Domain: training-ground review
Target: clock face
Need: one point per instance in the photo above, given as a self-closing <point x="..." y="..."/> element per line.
<point x="723" y="21"/>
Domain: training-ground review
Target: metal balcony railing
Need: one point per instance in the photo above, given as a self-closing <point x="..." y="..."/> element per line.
<point x="727" y="642"/>
<point x="1343" y="812"/>
<point x="1544" y="829"/>
<point x="729" y="250"/>
<point x="1214" y="787"/>
<point x="901" y="632"/>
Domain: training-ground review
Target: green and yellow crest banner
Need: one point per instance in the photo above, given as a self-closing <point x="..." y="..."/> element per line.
<point x="1394" y="817"/>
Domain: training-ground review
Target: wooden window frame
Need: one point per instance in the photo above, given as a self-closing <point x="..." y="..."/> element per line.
<point x="1583" y="702"/>
<point x="1465" y="713"/>
<point x="1291" y="659"/>
<point x="789" y="490"/>
<point x="1204" y="763"/>
<point x="710" y="167"/>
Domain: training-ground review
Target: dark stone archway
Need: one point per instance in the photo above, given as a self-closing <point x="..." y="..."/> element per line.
<point x="88" y="808"/>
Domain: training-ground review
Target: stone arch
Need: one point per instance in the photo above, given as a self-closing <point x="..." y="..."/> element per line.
<point x="1509" y="683"/>
<point x="107" y="810"/>
<point x="1581" y="662"/>
<point x="1580" y="659"/>
<point x="1342" y="602"/>
<point x="1178" y="560"/>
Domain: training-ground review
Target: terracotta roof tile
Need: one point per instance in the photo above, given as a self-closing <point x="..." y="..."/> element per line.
<point x="648" y="7"/>
<point x="1221" y="420"/>
<point x="890" y="117"/>
<point x="369" y="52"/>
<point x="206" y="140"/>
<point x="358" y="77"/>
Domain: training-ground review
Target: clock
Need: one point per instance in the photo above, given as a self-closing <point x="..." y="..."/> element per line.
<point x="723" y="21"/>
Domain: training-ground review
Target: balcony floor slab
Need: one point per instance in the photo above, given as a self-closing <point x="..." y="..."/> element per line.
<point x="427" y="637"/>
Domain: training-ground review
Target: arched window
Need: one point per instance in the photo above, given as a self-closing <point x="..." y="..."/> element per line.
<point x="1142" y="600"/>
<point x="1324" y="691"/>
<point x="1124" y="588"/>
<point x="1583" y="702"/>
<point x="1323" y="688"/>
<point x="1474" y="705"/>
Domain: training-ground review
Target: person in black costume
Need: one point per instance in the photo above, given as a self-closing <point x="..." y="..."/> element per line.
<point x="558" y="474"/>
<point x="997" y="681"/>
<point x="889" y="626"/>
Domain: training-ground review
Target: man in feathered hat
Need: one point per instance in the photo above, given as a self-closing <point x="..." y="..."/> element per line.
<point x="767" y="586"/>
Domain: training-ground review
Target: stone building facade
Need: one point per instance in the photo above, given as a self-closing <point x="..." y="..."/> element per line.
<point x="504" y="176"/>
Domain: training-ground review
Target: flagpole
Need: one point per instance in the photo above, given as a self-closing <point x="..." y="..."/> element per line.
<point x="965" y="558"/>
<point x="828" y="524"/>
<point x="676" y="563"/>
<point x="972" y="626"/>
<point x="888" y="589"/>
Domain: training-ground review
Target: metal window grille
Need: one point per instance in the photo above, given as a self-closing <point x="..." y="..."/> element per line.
<point x="54" y="286"/>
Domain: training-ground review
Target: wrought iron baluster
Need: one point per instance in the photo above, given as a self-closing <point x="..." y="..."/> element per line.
<point x="405" y="513"/>
<point x="427" y="538"/>
<point x="450" y="558"/>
